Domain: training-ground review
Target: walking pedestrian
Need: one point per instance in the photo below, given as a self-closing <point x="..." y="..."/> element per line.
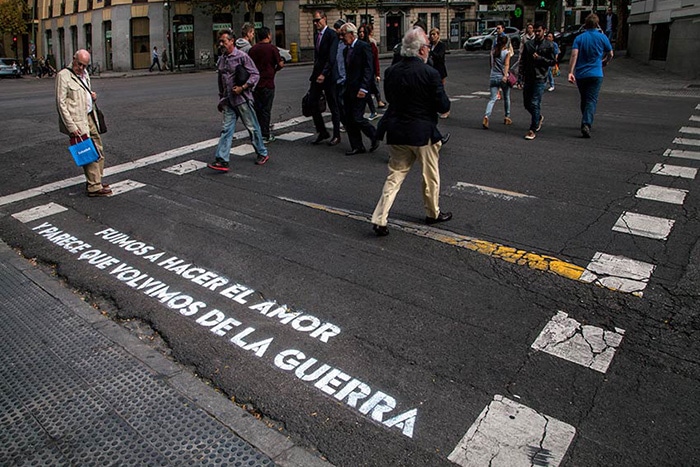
<point x="376" y="92"/>
<point x="416" y="96"/>
<point x="437" y="57"/>
<point x="610" y="24"/>
<point x="325" y="47"/>
<point x="363" y="35"/>
<point x="590" y="52"/>
<point x="75" y="103"/>
<point x="498" y="80"/>
<point x="553" y="70"/>
<point x="338" y="76"/>
<point x="359" y="76"/>
<point x="244" y="43"/>
<point x="268" y="62"/>
<point x="536" y="58"/>
<point x="156" y="59"/>
<point x="237" y="76"/>
<point x="164" y="59"/>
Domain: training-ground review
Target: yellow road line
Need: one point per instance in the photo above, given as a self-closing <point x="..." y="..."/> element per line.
<point x="496" y="250"/>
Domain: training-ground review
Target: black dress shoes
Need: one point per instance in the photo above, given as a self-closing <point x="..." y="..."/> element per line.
<point x="375" y="146"/>
<point x="320" y="138"/>
<point x="442" y="217"/>
<point x="334" y="141"/>
<point x="356" y="151"/>
<point x="445" y="138"/>
<point x="380" y="230"/>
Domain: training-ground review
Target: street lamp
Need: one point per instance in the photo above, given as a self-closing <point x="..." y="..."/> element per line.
<point x="166" y="5"/>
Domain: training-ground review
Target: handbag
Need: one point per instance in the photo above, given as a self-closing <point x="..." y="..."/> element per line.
<point x="101" y="124"/>
<point x="240" y="75"/>
<point x="84" y="151"/>
<point x="512" y="79"/>
<point x="306" y="106"/>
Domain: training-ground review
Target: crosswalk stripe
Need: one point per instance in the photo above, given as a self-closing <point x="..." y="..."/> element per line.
<point x="662" y="194"/>
<point x="191" y="165"/>
<point x="687" y="141"/>
<point x="644" y="226"/>
<point x="511" y="434"/>
<point x="38" y="212"/>
<point x="674" y="171"/>
<point x="691" y="130"/>
<point x="682" y="154"/>
<point x="618" y="273"/>
<point x="586" y="345"/>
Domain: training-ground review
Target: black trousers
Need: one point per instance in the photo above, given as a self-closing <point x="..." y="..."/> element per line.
<point x="328" y="88"/>
<point x="355" y="121"/>
<point x="263" y="108"/>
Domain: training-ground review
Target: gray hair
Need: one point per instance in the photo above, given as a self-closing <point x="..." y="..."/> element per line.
<point x="412" y="42"/>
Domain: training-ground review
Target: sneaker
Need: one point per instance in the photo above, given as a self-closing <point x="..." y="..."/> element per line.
<point x="219" y="164"/>
<point x="342" y="129"/>
<point x="530" y="135"/>
<point x="261" y="160"/>
<point x="445" y="115"/>
<point x="373" y="116"/>
<point x="269" y="139"/>
<point x="586" y="131"/>
<point x="551" y="88"/>
<point x="507" y="121"/>
<point x="485" y="123"/>
<point x="539" y="124"/>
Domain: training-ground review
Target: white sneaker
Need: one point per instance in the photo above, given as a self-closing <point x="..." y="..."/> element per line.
<point x="551" y="89"/>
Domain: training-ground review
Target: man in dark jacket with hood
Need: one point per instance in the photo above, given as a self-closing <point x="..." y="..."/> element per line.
<point x="416" y="97"/>
<point x="536" y="58"/>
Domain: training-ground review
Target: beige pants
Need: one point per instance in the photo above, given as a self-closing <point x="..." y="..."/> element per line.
<point x="401" y="159"/>
<point x="94" y="171"/>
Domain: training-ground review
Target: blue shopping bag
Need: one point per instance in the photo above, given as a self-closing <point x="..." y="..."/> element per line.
<point x="84" y="151"/>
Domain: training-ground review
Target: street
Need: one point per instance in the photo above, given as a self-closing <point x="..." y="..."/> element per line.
<point x="553" y="321"/>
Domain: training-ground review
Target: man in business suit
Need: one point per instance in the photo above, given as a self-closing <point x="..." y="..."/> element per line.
<point x="359" y="73"/>
<point x="74" y="101"/>
<point x="325" y="48"/>
<point x="416" y="97"/>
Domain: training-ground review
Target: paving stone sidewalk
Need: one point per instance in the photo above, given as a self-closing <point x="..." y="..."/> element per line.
<point x="78" y="389"/>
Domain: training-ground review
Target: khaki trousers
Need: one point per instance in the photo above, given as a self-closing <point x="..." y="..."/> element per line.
<point x="401" y="159"/>
<point x="94" y="171"/>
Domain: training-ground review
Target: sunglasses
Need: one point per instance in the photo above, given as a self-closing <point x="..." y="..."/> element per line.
<point x="317" y="20"/>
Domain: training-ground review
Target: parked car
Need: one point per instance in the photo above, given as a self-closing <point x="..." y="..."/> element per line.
<point x="10" y="68"/>
<point x="486" y="39"/>
<point x="284" y="53"/>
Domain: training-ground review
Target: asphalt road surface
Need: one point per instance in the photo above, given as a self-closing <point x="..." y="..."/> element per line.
<point x="553" y="321"/>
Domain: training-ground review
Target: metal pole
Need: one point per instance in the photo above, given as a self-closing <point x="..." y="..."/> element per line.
<point x="447" y="24"/>
<point x="170" y="41"/>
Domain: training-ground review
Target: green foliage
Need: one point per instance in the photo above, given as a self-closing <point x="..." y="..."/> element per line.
<point x="12" y="19"/>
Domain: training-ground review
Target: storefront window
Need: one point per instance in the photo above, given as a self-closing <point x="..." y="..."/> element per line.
<point x="107" y="28"/>
<point x="140" y="43"/>
<point x="183" y="50"/>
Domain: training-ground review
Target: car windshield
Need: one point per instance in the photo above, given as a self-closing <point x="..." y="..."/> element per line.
<point x="7" y="61"/>
<point x="488" y="32"/>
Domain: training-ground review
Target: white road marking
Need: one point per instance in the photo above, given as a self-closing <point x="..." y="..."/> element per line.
<point x="662" y="194"/>
<point x="584" y="345"/>
<point x="39" y="212"/>
<point x="674" y="171"/>
<point x="454" y="99"/>
<point x="143" y="162"/>
<point x="687" y="141"/>
<point x="124" y="186"/>
<point x="682" y="154"/>
<point x="185" y="167"/>
<point x="482" y="93"/>
<point x="691" y="130"/>
<point x="509" y="434"/>
<point x="694" y="118"/>
<point x="644" y="226"/>
<point x="618" y="273"/>
<point x="489" y="191"/>
<point x="242" y="150"/>
<point x="467" y="97"/>
<point x="294" y="136"/>
<point x="697" y="107"/>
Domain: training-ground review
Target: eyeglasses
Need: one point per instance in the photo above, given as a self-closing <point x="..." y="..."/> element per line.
<point x="81" y="65"/>
<point x="317" y="20"/>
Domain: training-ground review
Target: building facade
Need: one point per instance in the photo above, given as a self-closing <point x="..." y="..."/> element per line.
<point x="667" y="34"/>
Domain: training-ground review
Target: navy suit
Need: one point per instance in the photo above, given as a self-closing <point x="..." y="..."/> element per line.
<point x="324" y="63"/>
<point x="359" y="69"/>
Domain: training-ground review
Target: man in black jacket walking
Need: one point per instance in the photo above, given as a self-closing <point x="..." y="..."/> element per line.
<point x="416" y="97"/>
<point x="536" y="58"/>
<point x="325" y="48"/>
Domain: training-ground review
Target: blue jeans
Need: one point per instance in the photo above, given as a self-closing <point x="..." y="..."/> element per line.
<point x="247" y="114"/>
<point x="532" y="98"/>
<point x="588" y="88"/>
<point x="494" y="86"/>
<point x="549" y="79"/>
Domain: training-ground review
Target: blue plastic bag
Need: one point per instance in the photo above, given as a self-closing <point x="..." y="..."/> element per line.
<point x="84" y="152"/>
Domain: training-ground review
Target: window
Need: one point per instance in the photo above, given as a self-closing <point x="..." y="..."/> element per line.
<point x="140" y="43"/>
<point x="423" y="17"/>
<point x="435" y="20"/>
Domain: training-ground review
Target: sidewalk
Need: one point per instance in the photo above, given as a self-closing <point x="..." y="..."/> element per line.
<point x="77" y="388"/>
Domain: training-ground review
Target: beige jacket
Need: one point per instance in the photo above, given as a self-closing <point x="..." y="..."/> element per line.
<point x="71" y="103"/>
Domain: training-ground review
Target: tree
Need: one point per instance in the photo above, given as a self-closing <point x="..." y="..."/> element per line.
<point x="12" y="17"/>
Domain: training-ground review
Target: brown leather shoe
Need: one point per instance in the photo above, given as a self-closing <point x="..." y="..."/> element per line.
<point x="102" y="192"/>
<point x="334" y="141"/>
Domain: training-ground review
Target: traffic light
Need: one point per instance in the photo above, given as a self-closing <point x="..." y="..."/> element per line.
<point x="542" y="4"/>
<point x="14" y="43"/>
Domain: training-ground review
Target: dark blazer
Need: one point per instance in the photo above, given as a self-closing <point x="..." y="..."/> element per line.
<point x="359" y="68"/>
<point x="324" y="55"/>
<point x="416" y="96"/>
<point x="437" y="54"/>
<point x="604" y="22"/>
<point x="534" y="70"/>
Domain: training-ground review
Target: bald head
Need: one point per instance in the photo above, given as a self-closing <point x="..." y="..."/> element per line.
<point x="81" y="60"/>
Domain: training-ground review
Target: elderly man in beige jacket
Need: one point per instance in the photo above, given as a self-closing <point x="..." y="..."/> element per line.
<point x="74" y="101"/>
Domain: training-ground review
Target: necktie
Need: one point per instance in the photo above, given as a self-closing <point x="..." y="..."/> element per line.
<point x="318" y="40"/>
